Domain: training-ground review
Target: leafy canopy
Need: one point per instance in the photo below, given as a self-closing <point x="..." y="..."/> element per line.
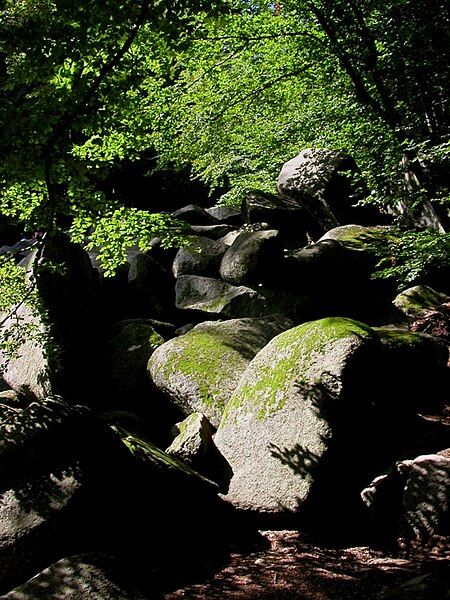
<point x="74" y="78"/>
<point x="231" y="88"/>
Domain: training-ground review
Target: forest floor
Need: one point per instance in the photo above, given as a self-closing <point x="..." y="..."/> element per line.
<point x="286" y="567"/>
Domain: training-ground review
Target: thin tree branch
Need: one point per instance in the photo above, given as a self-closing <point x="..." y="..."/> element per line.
<point x="344" y="58"/>
<point x="262" y="88"/>
<point x="215" y="66"/>
<point x="257" y="38"/>
<point x="36" y="261"/>
<point x="67" y="119"/>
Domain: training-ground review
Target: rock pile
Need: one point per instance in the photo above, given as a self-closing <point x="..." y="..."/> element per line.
<point x="279" y="377"/>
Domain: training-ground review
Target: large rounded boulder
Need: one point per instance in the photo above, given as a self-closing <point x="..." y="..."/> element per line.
<point x="253" y="257"/>
<point x="64" y="474"/>
<point x="201" y="257"/>
<point x="318" y="179"/>
<point x="200" y="370"/>
<point x="297" y="412"/>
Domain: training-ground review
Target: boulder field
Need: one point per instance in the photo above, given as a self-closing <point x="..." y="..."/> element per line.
<point x="259" y="374"/>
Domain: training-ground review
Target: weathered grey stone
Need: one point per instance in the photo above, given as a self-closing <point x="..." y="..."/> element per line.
<point x="416" y="301"/>
<point x="418" y="171"/>
<point x="199" y="371"/>
<point x="168" y="474"/>
<point x="218" y="297"/>
<point x="326" y="270"/>
<point x="50" y="360"/>
<point x="316" y="179"/>
<point x="278" y="428"/>
<point x="253" y="257"/>
<point x="194" y="215"/>
<point x="282" y="213"/>
<point x="184" y="328"/>
<point x="201" y="257"/>
<point x="28" y="371"/>
<point x="192" y="439"/>
<point x="226" y="214"/>
<point x="359" y="237"/>
<point x="66" y="476"/>
<point x="411" y="501"/>
<point x="435" y="322"/>
<point x="213" y="232"/>
<point x="338" y="280"/>
<point x="83" y="577"/>
<point x="57" y="487"/>
<point x="230" y="237"/>
<point x="149" y="288"/>
<point x="426" y="497"/>
<point x="129" y="352"/>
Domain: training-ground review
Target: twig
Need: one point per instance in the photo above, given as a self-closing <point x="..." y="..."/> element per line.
<point x="262" y="88"/>
<point x="66" y="119"/>
<point x="36" y="261"/>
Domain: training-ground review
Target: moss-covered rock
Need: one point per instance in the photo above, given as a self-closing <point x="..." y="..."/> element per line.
<point x="193" y="438"/>
<point x="359" y="237"/>
<point x="220" y="298"/>
<point x="416" y="301"/>
<point x="133" y="343"/>
<point x="199" y="370"/>
<point x="171" y="471"/>
<point x="281" y="421"/>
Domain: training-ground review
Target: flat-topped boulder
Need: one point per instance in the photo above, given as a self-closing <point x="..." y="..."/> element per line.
<point x="215" y="296"/>
<point x="195" y="215"/>
<point x="359" y="237"/>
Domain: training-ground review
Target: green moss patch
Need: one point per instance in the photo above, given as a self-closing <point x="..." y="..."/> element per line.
<point x="415" y="301"/>
<point x="285" y="362"/>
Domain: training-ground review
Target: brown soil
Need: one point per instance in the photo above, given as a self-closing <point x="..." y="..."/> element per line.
<point x="289" y="568"/>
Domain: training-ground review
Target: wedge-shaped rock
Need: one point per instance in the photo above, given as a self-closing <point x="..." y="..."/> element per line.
<point x="217" y="296"/>
<point x="253" y="257"/>
<point x="79" y="577"/>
